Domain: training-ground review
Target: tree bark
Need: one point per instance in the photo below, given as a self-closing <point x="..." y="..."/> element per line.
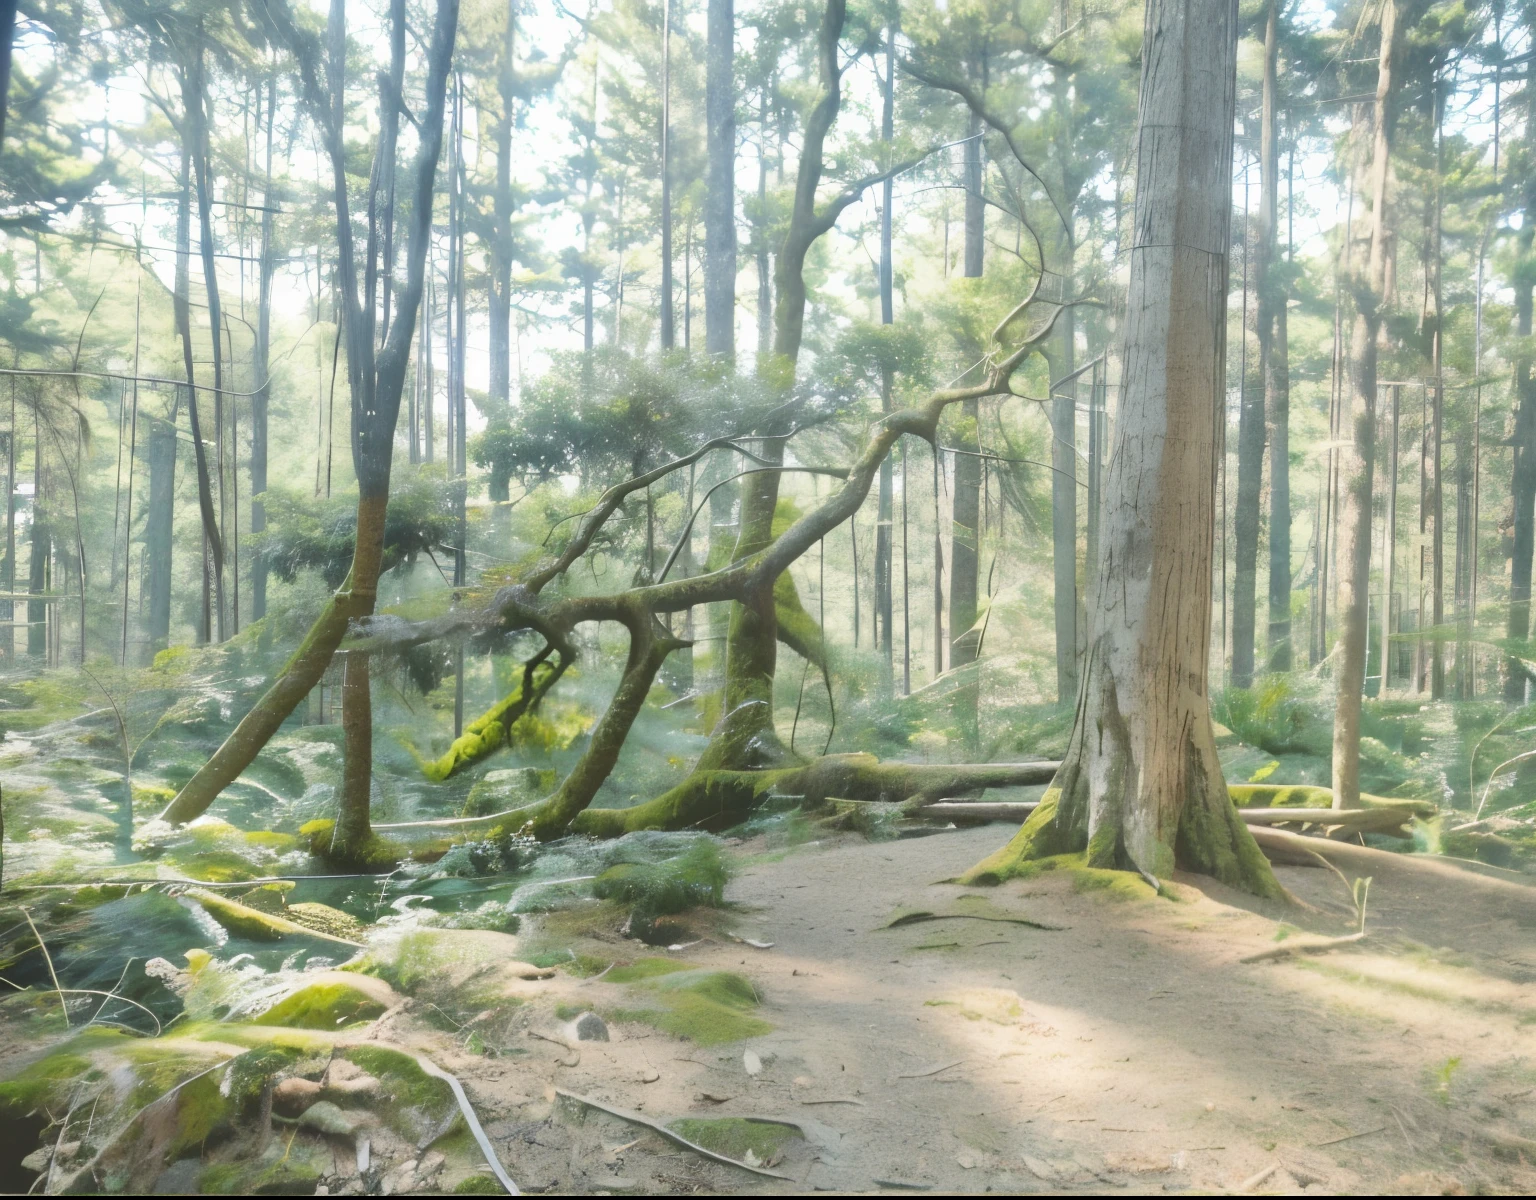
<point x="720" y="186"/>
<point x="1245" y="516"/>
<point x="1141" y="786"/>
<point x="884" y="559"/>
<point x="1064" y="515"/>
<point x="1356" y="451"/>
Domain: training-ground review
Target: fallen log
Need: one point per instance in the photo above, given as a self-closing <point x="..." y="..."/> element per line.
<point x="1356" y="820"/>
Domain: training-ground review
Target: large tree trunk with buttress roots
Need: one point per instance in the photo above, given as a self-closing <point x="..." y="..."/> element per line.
<point x="1141" y="787"/>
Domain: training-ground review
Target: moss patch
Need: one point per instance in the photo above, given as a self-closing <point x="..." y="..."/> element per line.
<point x="734" y="1136"/>
<point x="332" y="1003"/>
<point x="644" y="969"/>
<point x="705" y="1007"/>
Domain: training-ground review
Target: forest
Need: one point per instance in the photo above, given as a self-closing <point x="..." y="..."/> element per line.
<point x="526" y="517"/>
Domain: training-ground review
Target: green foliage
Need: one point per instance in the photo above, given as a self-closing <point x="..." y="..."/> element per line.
<point x="304" y="533"/>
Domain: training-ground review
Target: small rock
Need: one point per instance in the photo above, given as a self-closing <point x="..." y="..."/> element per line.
<point x="966" y="1159"/>
<point x="431" y="1163"/>
<point x="648" y="1076"/>
<point x="325" y="1117"/>
<point x="589" y="1027"/>
<point x="292" y="1096"/>
<point x="39" y="1159"/>
<point x="67" y="1150"/>
<point x="753" y="1063"/>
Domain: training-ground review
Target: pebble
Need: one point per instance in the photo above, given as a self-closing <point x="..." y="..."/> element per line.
<point x="589" y="1027"/>
<point x="325" y="1117"/>
<point x="753" y="1063"/>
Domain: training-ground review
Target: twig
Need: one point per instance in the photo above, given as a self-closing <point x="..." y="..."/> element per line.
<point x="48" y="958"/>
<point x="919" y="917"/>
<point x="675" y="1138"/>
<point x="1257" y="1178"/>
<point x="1289" y="949"/>
<point x="1351" y="1136"/>
<point x="933" y="1071"/>
<point x="835" y="1100"/>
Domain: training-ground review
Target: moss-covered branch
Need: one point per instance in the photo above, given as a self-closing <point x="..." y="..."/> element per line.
<point x="494" y="728"/>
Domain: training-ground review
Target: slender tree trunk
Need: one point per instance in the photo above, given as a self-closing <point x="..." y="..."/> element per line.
<point x="1437" y="495"/>
<point x="1141" y="786"/>
<point x="7" y="35"/>
<point x="1064" y="510"/>
<point x="41" y="547"/>
<point x="1356" y="452"/>
<point x="668" y="324"/>
<point x="884" y="560"/>
<point x="262" y="368"/>
<point x="183" y="317"/>
<point x="499" y="289"/>
<point x="720" y="184"/>
<point x="975" y="203"/>
<point x="195" y="99"/>
<point x="1275" y="361"/>
<point x="1523" y="474"/>
<point x="158" y="530"/>
<point x="760" y="234"/>
<point x="967" y="496"/>
<point x="1245" y="516"/>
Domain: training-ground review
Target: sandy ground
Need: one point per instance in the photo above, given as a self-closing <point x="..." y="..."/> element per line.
<point x="1127" y="1049"/>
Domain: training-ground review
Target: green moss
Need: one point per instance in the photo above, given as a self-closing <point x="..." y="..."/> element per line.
<point x="1281" y="795"/>
<point x="735" y="1136"/>
<point x="644" y="969"/>
<point x="323" y="1006"/>
<point x="1040" y="837"/>
<point x="415" y="1104"/>
<point x="325" y="919"/>
<point x="694" y="879"/>
<point x="478" y="1185"/>
<point x="215" y="866"/>
<point x="44" y="1083"/>
<point x="705" y="1007"/>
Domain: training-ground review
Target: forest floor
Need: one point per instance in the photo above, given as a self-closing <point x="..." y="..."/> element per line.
<point x="1127" y="1046"/>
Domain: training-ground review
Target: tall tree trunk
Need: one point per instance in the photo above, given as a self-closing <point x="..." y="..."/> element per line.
<point x="1356" y="447"/>
<point x="668" y="323"/>
<point x="1245" y="516"/>
<point x="195" y="98"/>
<point x="183" y="316"/>
<point x="41" y="547"/>
<point x="1141" y="786"/>
<point x="499" y="290"/>
<point x="975" y="203"/>
<point x="159" y="521"/>
<point x="1064" y="508"/>
<point x="376" y="381"/>
<point x="760" y="234"/>
<point x="1437" y="493"/>
<point x="262" y="368"/>
<point x="967" y="495"/>
<point x="7" y="35"/>
<point x="1523" y="442"/>
<point x="1274" y="357"/>
<point x="720" y="186"/>
<point x="884" y="559"/>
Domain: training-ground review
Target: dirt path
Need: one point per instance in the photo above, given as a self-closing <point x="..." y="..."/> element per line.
<point x="1127" y="1048"/>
